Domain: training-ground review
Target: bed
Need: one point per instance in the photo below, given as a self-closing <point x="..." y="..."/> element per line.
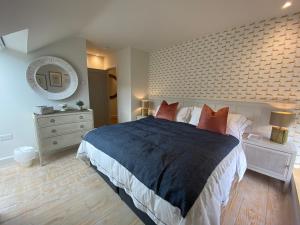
<point x="168" y="172"/>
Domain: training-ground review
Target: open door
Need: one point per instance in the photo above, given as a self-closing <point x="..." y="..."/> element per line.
<point x="103" y="96"/>
<point x="112" y="93"/>
<point x="98" y="96"/>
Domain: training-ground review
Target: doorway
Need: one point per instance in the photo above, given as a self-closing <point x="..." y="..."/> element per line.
<point x="103" y="98"/>
<point x="112" y="95"/>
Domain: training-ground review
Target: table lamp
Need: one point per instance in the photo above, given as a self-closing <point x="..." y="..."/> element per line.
<point x="145" y="107"/>
<point x="280" y="122"/>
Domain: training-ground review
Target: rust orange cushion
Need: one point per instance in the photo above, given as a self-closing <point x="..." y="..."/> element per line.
<point x="213" y="121"/>
<point x="167" y="111"/>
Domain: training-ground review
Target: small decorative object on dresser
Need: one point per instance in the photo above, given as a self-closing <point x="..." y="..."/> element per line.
<point x="63" y="107"/>
<point x="80" y="104"/>
<point x="280" y="122"/>
<point x="42" y="109"/>
<point x="61" y="130"/>
<point x="269" y="158"/>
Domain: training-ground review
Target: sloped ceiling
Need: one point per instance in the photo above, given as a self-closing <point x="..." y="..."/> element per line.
<point x="47" y="20"/>
<point x="144" y="24"/>
<point x="17" y="41"/>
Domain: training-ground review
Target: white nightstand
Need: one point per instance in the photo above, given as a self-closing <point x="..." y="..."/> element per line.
<point x="269" y="158"/>
<point x="140" y="117"/>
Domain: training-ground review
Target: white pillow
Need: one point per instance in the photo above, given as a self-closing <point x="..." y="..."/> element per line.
<point x="195" y="115"/>
<point x="237" y="124"/>
<point x="234" y="118"/>
<point x="184" y="114"/>
<point x="156" y="110"/>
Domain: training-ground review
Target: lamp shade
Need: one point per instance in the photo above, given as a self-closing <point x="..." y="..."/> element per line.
<point x="281" y="119"/>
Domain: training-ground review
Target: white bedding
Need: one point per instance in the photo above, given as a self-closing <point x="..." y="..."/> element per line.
<point x="206" y="209"/>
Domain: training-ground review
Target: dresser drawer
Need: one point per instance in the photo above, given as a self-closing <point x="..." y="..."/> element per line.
<point x="53" y="131"/>
<point x="62" y="141"/>
<point x="63" y="119"/>
<point x="268" y="161"/>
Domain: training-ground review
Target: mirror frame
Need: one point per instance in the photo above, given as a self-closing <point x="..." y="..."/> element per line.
<point x="36" y="64"/>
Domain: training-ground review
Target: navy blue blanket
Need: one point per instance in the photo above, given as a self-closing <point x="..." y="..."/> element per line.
<point x="171" y="158"/>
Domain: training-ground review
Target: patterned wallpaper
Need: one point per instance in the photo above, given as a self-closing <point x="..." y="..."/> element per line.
<point x="255" y="62"/>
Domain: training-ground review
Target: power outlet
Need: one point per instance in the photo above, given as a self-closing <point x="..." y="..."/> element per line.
<point x="6" y="137"/>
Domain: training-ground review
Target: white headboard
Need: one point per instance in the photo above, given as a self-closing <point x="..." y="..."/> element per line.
<point x="259" y="113"/>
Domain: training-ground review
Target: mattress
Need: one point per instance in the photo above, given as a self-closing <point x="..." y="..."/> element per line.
<point x="205" y="210"/>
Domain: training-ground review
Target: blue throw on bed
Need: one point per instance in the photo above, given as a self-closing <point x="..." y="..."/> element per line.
<point x="171" y="158"/>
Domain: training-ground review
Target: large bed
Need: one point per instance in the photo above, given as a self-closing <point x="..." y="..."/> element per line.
<point x="169" y="171"/>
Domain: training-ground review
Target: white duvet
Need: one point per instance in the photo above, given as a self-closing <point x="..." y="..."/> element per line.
<point x="206" y="209"/>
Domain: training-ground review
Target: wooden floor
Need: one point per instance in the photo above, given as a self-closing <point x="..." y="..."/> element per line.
<point x="67" y="191"/>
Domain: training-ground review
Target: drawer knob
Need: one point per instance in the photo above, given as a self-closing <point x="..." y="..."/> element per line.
<point x="80" y="117"/>
<point x="54" y="142"/>
<point x="52" y="121"/>
<point x="81" y="126"/>
<point x="53" y="131"/>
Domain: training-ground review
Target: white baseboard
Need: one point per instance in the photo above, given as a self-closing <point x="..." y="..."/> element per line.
<point x="6" y="160"/>
<point x="295" y="203"/>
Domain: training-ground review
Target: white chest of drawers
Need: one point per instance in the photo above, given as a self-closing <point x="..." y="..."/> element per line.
<point x="269" y="158"/>
<point x="61" y="130"/>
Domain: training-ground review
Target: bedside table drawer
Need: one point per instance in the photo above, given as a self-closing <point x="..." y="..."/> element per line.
<point x="267" y="161"/>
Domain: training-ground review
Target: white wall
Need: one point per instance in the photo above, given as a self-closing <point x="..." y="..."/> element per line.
<point x="132" y="70"/>
<point x="17" y="98"/>
<point x="124" y="84"/>
<point x="109" y="56"/>
<point x="139" y="80"/>
<point x="95" y="62"/>
<point x="110" y="60"/>
<point x="257" y="62"/>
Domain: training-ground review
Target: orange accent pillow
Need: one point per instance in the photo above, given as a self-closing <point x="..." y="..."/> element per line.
<point x="213" y="121"/>
<point x="167" y="111"/>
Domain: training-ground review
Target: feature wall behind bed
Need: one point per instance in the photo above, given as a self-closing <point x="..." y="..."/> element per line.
<point x="257" y="62"/>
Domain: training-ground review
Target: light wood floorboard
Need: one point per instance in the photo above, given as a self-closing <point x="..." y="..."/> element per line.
<point x="68" y="192"/>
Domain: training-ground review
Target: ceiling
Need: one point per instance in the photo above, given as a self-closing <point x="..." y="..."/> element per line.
<point x="143" y="24"/>
<point x="48" y="20"/>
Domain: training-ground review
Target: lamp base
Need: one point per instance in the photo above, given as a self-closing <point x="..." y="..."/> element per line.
<point x="144" y="111"/>
<point x="279" y="135"/>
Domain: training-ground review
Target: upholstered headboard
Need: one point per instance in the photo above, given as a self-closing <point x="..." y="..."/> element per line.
<point x="259" y="113"/>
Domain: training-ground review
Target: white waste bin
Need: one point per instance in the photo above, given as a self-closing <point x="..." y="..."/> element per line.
<point x="24" y="155"/>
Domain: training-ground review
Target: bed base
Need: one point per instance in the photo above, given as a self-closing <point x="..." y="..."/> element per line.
<point x="143" y="216"/>
<point x="127" y="199"/>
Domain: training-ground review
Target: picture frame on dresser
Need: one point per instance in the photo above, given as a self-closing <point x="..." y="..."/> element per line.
<point x="60" y="131"/>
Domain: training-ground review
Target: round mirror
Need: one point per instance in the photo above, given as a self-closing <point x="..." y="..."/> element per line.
<point x="52" y="77"/>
